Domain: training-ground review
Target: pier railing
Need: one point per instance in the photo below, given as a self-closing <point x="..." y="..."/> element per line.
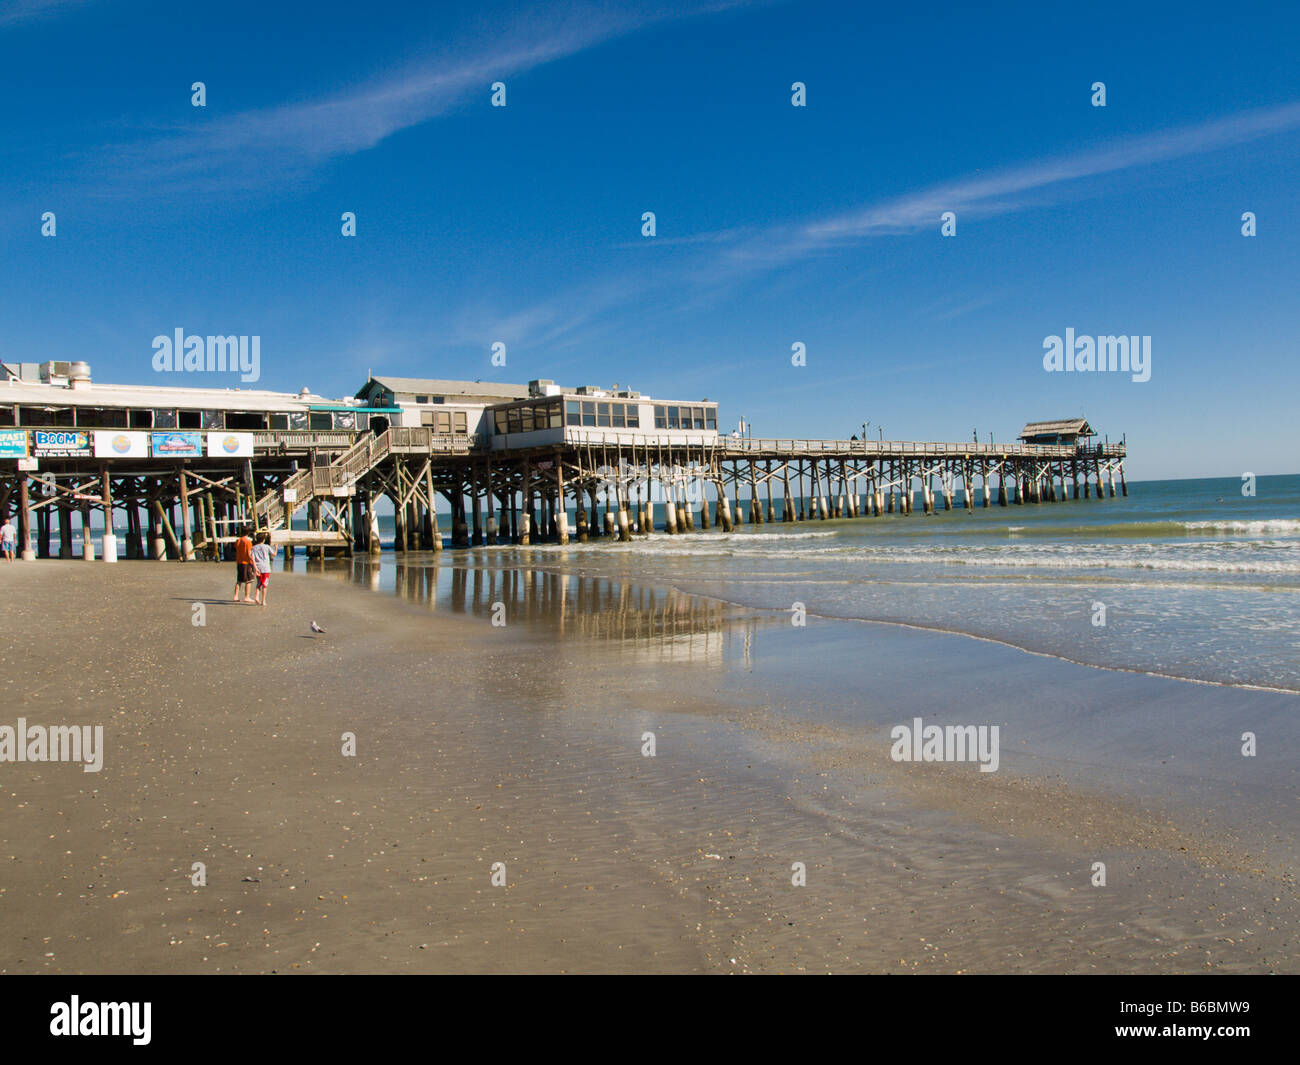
<point x="873" y="448"/>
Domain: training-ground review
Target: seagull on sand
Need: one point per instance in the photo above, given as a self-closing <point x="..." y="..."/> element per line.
<point x="317" y="628"/>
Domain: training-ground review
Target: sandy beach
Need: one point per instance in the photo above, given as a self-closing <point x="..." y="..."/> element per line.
<point x="523" y="744"/>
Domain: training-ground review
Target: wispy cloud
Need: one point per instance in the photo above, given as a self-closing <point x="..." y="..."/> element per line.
<point x="17" y="11"/>
<point x="725" y="258"/>
<point x="259" y="147"/>
<point x="1010" y="190"/>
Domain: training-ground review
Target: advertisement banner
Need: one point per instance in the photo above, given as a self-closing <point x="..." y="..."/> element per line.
<point x="13" y="443"/>
<point x="61" y="443"/>
<point x="226" y="445"/>
<point x="176" y="445"/>
<point x="119" y="444"/>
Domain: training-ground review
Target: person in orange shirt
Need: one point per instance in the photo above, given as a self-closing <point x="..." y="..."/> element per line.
<point x="244" y="575"/>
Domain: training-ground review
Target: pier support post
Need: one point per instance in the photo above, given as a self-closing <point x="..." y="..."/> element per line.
<point x="476" y="505"/>
<point x="87" y="544"/>
<point x="561" y="514"/>
<point x="43" y="530"/>
<point x="624" y="528"/>
<point x="724" y="507"/>
<point x="25" y="520"/>
<point x="65" y="529"/>
<point x="109" y="545"/>
<point x="187" y="538"/>
<point x="1122" y="483"/>
<point x="399" y="526"/>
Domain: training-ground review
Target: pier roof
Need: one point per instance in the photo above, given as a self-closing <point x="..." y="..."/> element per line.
<point x="93" y="394"/>
<point x="1060" y="427"/>
<point x="431" y="386"/>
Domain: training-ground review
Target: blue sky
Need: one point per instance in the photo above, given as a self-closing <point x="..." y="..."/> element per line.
<point x="775" y="224"/>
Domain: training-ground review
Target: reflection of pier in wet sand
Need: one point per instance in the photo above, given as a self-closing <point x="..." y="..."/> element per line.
<point x="652" y="623"/>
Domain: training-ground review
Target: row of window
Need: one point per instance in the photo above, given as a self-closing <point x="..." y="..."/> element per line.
<point x="445" y="421"/>
<point x="529" y="418"/>
<point x="602" y="414"/>
<point x="682" y="417"/>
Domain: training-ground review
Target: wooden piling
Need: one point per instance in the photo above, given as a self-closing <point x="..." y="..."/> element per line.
<point x="187" y="541"/>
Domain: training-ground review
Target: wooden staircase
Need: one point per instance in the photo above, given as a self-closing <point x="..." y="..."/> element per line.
<point x="338" y="479"/>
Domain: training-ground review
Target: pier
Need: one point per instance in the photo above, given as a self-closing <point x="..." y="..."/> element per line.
<point x="502" y="464"/>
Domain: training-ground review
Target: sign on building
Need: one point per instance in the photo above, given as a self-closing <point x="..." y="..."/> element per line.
<point x="120" y="444"/>
<point x="176" y="445"/>
<point x="13" y="443"/>
<point x="61" y="443"/>
<point x="225" y="445"/>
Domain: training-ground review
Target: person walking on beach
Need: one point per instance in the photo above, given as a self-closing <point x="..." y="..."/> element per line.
<point x="263" y="552"/>
<point x="244" y="564"/>
<point x="8" y="538"/>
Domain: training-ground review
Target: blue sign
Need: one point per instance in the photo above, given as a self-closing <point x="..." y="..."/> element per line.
<point x="13" y="443"/>
<point x="176" y="445"/>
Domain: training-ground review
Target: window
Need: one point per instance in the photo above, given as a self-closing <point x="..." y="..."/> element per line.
<point x="711" y="418"/>
<point x="7" y="416"/>
<point x="428" y="417"/>
<point x="279" y="421"/>
<point x="421" y="399"/>
<point x="573" y="412"/>
<point x="444" y="422"/>
<point x="588" y="413"/>
<point x="500" y="417"/>
<point x="245" y="420"/>
<point x="697" y="416"/>
<point x="320" y="420"/>
<point x="602" y="415"/>
<point x="141" y="419"/>
<point x="674" y="418"/>
<point x="619" y="418"/>
<point x="633" y="416"/>
<point x="461" y="423"/>
<point x="661" y="416"/>
<point x="101" y="418"/>
<point x="557" y="416"/>
<point x="526" y="419"/>
<point x="189" y="419"/>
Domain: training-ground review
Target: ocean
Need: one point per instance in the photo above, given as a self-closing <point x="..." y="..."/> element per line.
<point x="1187" y="579"/>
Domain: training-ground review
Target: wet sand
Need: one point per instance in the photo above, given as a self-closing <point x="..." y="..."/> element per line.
<point x="522" y="744"/>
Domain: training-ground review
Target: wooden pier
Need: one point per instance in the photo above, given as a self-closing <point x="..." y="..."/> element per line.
<point x="541" y="457"/>
<point x="609" y="484"/>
